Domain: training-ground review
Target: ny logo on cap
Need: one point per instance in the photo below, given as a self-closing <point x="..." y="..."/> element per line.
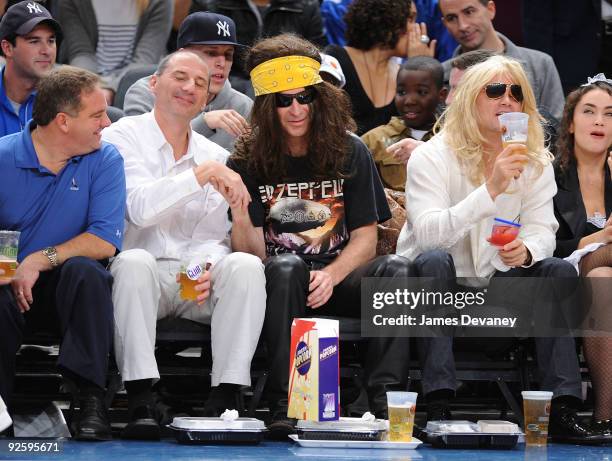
<point x="223" y="27"/>
<point x="34" y="8"/>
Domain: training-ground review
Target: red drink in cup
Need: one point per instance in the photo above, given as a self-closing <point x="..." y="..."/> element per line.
<point x="503" y="232"/>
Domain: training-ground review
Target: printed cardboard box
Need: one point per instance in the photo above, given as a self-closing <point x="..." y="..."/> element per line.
<point x="314" y="392"/>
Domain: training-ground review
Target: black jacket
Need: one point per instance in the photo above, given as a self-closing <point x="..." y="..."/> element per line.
<point x="570" y="211"/>
<point x="569" y="31"/>
<point x="301" y="17"/>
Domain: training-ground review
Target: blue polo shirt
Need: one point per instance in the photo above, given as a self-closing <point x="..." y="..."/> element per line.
<point x="10" y="122"/>
<point x="87" y="195"/>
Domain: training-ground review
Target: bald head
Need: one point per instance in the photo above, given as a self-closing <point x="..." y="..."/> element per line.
<point x="180" y="85"/>
<point x="181" y="55"/>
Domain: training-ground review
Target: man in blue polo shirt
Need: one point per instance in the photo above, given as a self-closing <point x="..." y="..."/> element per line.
<point x="65" y="191"/>
<point x="28" y="37"/>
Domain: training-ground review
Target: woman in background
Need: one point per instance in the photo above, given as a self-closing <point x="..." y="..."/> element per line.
<point x="111" y="36"/>
<point x="376" y="32"/>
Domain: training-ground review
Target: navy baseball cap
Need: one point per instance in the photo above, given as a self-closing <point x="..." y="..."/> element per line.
<point x="205" y="28"/>
<point x="23" y="17"/>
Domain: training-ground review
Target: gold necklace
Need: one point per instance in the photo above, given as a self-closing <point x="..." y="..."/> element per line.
<point x="371" y="85"/>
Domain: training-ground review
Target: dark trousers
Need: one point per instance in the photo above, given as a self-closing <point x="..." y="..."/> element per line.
<point x="557" y="361"/>
<point x="287" y="280"/>
<point x="72" y="300"/>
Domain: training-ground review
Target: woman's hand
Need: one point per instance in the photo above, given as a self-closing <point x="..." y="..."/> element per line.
<point x="415" y="46"/>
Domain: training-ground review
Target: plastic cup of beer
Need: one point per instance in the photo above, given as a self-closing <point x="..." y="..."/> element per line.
<point x="503" y="232"/>
<point x="515" y="128"/>
<point x="9" y="245"/>
<point x="536" y="407"/>
<point x="190" y="272"/>
<point x="401" y="407"/>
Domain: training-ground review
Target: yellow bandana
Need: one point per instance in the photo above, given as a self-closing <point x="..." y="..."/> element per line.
<point x="286" y="73"/>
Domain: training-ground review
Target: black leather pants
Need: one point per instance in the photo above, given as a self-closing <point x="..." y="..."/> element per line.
<point x="287" y="279"/>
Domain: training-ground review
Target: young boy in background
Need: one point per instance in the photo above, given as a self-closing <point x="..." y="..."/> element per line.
<point x="420" y="92"/>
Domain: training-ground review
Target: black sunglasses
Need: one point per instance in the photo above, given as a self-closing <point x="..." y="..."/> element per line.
<point x="498" y="90"/>
<point x="304" y="97"/>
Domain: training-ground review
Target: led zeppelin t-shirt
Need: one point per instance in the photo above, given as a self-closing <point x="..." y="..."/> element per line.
<point x="313" y="218"/>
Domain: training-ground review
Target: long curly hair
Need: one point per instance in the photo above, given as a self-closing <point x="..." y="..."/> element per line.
<point x="565" y="141"/>
<point x="371" y="23"/>
<point x="264" y="148"/>
<point x="459" y="122"/>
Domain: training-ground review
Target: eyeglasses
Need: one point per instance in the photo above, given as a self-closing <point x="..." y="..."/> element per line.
<point x="498" y="90"/>
<point x="304" y="97"/>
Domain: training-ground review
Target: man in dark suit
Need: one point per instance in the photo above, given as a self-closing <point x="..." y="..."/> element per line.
<point x="570" y="32"/>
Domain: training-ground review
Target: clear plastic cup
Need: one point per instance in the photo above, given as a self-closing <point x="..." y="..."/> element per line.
<point x="9" y="247"/>
<point x="191" y="270"/>
<point x="536" y="409"/>
<point x="515" y="127"/>
<point x="503" y="232"/>
<point x="402" y="408"/>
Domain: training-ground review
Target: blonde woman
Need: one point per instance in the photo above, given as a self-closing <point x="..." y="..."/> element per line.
<point x="111" y="36"/>
<point x="457" y="183"/>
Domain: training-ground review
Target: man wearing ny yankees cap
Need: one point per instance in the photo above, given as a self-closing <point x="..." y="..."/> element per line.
<point x="212" y="37"/>
<point x="28" y="36"/>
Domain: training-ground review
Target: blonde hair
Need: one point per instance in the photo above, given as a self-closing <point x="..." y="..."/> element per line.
<point x="142" y="5"/>
<point x="459" y="123"/>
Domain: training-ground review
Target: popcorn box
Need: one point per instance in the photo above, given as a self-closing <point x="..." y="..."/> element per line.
<point x="314" y="376"/>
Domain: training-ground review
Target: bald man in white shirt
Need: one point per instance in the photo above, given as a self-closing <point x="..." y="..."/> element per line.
<point x="178" y="194"/>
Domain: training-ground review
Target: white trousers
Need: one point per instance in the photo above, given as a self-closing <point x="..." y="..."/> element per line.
<point x="145" y="290"/>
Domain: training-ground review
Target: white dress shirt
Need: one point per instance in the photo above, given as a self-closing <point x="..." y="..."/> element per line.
<point x="168" y="213"/>
<point x="445" y="211"/>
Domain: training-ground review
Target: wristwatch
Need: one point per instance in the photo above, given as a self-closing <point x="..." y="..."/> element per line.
<point x="51" y="253"/>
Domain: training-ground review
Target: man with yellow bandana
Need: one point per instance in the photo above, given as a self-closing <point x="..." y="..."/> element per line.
<point x="316" y="200"/>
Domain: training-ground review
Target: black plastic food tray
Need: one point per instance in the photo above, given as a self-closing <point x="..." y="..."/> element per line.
<point x="493" y="441"/>
<point x="225" y="437"/>
<point x="370" y="436"/>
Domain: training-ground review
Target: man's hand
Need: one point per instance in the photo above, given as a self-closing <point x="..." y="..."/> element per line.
<point x="509" y="164"/>
<point x="225" y="180"/>
<point x="226" y="119"/>
<point x="402" y="150"/>
<point x="514" y="254"/>
<point x="321" y="288"/>
<point x="26" y="275"/>
<point x="415" y="46"/>
<point x="203" y="286"/>
<point x="237" y="198"/>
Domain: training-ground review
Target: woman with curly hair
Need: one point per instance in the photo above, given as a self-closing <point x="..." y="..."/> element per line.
<point x="316" y="200"/>
<point x="376" y="32"/>
<point x="582" y="204"/>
